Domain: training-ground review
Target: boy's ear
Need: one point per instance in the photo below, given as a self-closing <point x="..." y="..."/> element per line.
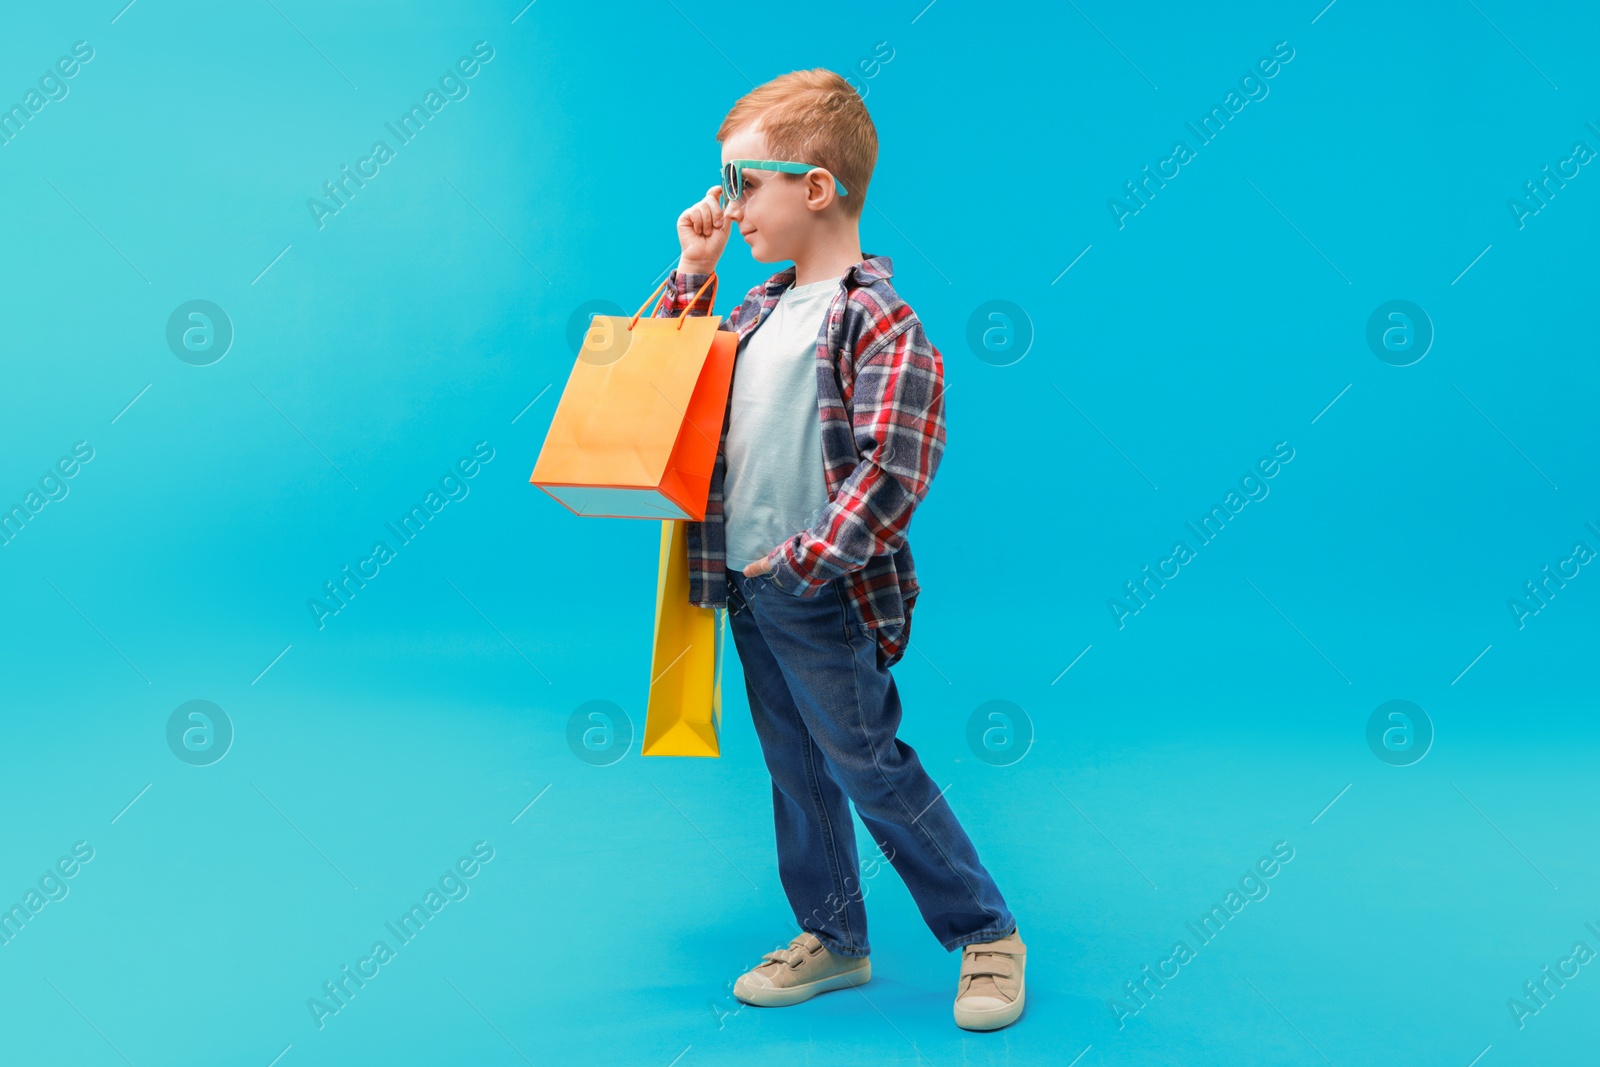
<point x="819" y="189"/>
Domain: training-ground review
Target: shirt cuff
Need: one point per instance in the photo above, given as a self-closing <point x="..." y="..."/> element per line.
<point x="784" y="575"/>
<point x="684" y="284"/>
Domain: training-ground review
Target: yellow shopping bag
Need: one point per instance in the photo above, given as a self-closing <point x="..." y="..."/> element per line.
<point x="685" y="708"/>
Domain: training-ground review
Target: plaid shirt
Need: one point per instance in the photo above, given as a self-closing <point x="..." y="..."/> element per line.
<point x="880" y="396"/>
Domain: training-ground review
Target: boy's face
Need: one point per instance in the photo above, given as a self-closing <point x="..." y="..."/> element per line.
<point x="777" y="212"/>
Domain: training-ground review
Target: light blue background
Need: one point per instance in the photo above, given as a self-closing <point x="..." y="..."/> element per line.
<point x="432" y="313"/>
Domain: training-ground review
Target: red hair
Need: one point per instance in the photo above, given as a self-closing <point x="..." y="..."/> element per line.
<point x="813" y="116"/>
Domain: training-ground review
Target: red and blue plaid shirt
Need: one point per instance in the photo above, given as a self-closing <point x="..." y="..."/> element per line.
<point x="880" y="396"/>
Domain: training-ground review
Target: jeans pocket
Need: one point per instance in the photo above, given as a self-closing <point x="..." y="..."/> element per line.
<point x="855" y="624"/>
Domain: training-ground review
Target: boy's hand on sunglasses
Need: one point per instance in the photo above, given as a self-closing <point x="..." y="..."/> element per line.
<point x="703" y="231"/>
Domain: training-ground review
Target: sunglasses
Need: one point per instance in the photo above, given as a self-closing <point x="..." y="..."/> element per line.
<point x="733" y="174"/>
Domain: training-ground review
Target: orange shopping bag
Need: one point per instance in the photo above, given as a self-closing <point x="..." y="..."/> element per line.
<point x="684" y="711"/>
<point x="635" y="434"/>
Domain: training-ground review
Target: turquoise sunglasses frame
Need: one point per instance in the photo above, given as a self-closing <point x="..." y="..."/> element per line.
<point x="733" y="174"/>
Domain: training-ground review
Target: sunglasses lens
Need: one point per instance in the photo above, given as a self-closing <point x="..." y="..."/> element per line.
<point x="732" y="180"/>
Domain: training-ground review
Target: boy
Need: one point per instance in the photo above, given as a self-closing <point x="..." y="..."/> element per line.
<point x="834" y="428"/>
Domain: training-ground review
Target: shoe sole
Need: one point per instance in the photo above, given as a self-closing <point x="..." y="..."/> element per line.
<point x="784" y="996"/>
<point x="991" y="1020"/>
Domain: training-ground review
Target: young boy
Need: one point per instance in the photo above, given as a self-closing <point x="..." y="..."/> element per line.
<point x="834" y="428"/>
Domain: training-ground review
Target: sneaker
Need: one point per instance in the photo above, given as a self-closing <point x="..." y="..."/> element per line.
<point x="990" y="992"/>
<point x="799" y="972"/>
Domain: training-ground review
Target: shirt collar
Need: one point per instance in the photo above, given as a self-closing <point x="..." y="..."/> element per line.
<point x="871" y="268"/>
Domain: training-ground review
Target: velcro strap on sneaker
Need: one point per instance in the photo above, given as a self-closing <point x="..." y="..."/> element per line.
<point x="988" y="964"/>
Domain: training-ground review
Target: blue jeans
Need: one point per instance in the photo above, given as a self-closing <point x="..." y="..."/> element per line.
<point x="826" y="711"/>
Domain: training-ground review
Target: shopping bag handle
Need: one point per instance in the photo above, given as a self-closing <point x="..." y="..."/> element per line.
<point x="711" y="281"/>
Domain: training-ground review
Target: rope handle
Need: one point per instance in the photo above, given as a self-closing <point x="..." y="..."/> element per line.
<point x="682" y="316"/>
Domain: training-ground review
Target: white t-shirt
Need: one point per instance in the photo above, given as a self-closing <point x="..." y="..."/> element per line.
<point x="773" y="484"/>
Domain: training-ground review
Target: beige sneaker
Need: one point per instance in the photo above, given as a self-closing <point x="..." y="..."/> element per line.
<point x="800" y="972"/>
<point x="990" y="992"/>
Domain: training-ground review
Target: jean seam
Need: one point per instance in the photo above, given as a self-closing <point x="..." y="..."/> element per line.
<point x="872" y="749"/>
<point x="829" y="838"/>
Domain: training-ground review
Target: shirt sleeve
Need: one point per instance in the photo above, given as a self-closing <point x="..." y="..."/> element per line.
<point x="898" y="422"/>
<point x="681" y="288"/>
